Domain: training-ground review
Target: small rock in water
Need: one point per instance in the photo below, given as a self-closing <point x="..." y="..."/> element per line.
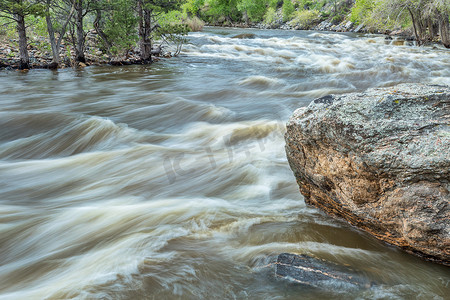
<point x="398" y="42"/>
<point x="307" y="270"/>
<point x="244" y="36"/>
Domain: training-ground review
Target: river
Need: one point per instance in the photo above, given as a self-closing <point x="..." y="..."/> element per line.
<point x="170" y="181"/>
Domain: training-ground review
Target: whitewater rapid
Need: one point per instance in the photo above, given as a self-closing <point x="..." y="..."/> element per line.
<point x="170" y="181"/>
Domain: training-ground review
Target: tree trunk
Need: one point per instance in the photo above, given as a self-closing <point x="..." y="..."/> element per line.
<point x="98" y="19"/>
<point x="145" y="31"/>
<point x="23" y="51"/>
<point x="431" y="31"/>
<point x="413" y="19"/>
<point x="246" y="19"/>
<point x="444" y="31"/>
<point x="62" y="33"/>
<point x="421" y="28"/>
<point x="79" y="49"/>
<point x="51" y="35"/>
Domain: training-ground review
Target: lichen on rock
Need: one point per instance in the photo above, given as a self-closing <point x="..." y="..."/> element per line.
<point x="381" y="160"/>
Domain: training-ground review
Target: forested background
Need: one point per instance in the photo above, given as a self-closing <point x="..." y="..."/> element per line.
<point x="124" y="25"/>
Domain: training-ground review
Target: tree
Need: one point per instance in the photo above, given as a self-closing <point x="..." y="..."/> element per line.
<point x="148" y="11"/>
<point x="224" y="8"/>
<point x="425" y="16"/>
<point x="254" y="9"/>
<point x="17" y="10"/>
<point x="116" y="24"/>
<point x="80" y="12"/>
<point x="287" y="9"/>
<point x="193" y="7"/>
<point x="62" y="14"/>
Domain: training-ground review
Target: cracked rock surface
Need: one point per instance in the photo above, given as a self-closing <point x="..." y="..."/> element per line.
<point x="380" y="160"/>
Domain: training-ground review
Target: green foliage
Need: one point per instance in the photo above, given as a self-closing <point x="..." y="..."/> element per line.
<point x="338" y="18"/>
<point x="162" y="6"/>
<point x="361" y="10"/>
<point x="181" y="17"/>
<point x="7" y="28"/>
<point x="255" y="9"/>
<point x="305" y="4"/>
<point x="287" y="10"/>
<point x="120" y="26"/>
<point x="22" y="7"/>
<point x="273" y="4"/>
<point x="324" y="14"/>
<point x="382" y="13"/>
<point x="195" y="23"/>
<point x="306" y="18"/>
<point x="38" y="24"/>
<point x="173" y="33"/>
<point x="193" y="7"/>
<point x="270" y="16"/>
<point x="223" y="8"/>
<point x="172" y="17"/>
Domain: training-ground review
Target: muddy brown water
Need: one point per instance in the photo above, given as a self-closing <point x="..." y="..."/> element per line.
<point x="170" y="181"/>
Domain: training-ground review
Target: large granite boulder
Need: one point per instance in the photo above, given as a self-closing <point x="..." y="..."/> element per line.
<point x="380" y="160"/>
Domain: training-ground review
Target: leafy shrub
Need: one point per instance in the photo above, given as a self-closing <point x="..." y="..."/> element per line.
<point x="379" y="14"/>
<point x="120" y="28"/>
<point x="195" y="24"/>
<point x="193" y="7"/>
<point x="274" y="4"/>
<point x="254" y="8"/>
<point x="287" y="10"/>
<point x="337" y="19"/>
<point x="270" y="16"/>
<point x="3" y="30"/>
<point x="305" y="4"/>
<point x="361" y="10"/>
<point x="305" y="18"/>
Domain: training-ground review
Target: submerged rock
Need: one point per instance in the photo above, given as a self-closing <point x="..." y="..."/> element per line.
<point x="380" y="160"/>
<point x="244" y="36"/>
<point x="318" y="273"/>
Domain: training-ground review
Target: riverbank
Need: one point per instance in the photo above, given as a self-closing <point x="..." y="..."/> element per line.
<point x="41" y="56"/>
<point x="327" y="25"/>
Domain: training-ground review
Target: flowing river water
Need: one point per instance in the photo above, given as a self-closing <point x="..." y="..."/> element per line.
<point x="170" y="181"/>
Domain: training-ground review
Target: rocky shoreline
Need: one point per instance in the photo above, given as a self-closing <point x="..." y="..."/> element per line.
<point x="327" y="25"/>
<point x="42" y="59"/>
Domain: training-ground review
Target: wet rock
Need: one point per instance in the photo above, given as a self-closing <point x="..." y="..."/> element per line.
<point x="307" y="270"/>
<point x="359" y="28"/>
<point x="380" y="160"/>
<point x="398" y="42"/>
<point x="324" y="25"/>
<point x="347" y="26"/>
<point x="51" y="66"/>
<point x="286" y="27"/>
<point x="244" y="36"/>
